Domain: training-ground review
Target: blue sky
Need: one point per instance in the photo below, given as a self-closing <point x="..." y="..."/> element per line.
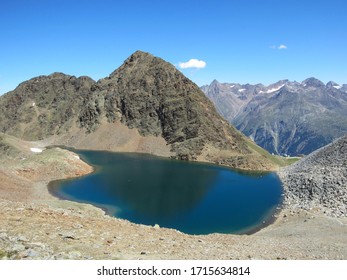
<point x="239" y="40"/>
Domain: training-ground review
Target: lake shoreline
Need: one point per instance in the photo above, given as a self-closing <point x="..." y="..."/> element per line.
<point x="111" y="209"/>
<point x="70" y="230"/>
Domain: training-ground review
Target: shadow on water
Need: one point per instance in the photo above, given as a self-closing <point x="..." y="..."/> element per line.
<point x="194" y="198"/>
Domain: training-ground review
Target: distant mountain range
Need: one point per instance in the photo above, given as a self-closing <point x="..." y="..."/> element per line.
<point x="286" y="118"/>
<point x="146" y="105"/>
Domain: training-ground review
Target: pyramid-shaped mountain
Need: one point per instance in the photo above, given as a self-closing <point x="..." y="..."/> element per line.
<point x="146" y="105"/>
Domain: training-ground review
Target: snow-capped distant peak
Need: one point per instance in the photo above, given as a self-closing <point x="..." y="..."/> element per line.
<point x="242" y="90"/>
<point x="274" y="89"/>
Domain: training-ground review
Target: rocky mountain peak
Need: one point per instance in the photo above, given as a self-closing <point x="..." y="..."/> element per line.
<point x="279" y="83"/>
<point x="214" y="82"/>
<point x="313" y="82"/>
<point x="215" y="86"/>
<point x="332" y="84"/>
<point x="145" y="94"/>
<point x="138" y="57"/>
<point x="309" y="114"/>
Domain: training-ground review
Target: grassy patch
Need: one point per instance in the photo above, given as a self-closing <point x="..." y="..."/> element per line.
<point x="3" y="255"/>
<point x="8" y="255"/>
<point x="277" y="160"/>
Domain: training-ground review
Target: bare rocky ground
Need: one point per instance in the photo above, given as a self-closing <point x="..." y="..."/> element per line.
<point x="319" y="180"/>
<point x="36" y="225"/>
<point x="39" y="231"/>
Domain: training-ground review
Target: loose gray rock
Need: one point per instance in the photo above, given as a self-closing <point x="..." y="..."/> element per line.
<point x="319" y="180"/>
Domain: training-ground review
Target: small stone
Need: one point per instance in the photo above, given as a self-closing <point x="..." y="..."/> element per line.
<point x="36" y="245"/>
<point x="18" y="248"/>
<point x="68" y="235"/>
<point x="77" y="226"/>
<point x="30" y="253"/>
<point x="143" y="253"/>
<point x="75" y="255"/>
<point x="22" y="238"/>
<point x="156" y="226"/>
<point x="3" y="235"/>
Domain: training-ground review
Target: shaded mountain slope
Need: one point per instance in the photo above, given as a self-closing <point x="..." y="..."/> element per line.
<point x="44" y="106"/>
<point x="286" y="117"/>
<point x="146" y="95"/>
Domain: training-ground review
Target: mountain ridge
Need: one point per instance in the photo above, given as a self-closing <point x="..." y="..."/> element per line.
<point x="285" y="117"/>
<point x="145" y="94"/>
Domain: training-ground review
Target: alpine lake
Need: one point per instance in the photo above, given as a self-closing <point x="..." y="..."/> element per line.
<point x="194" y="198"/>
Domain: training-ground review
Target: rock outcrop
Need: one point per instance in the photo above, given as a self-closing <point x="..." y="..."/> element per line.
<point x="146" y="94"/>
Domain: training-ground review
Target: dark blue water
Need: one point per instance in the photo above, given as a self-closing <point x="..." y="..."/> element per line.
<point x="194" y="198"/>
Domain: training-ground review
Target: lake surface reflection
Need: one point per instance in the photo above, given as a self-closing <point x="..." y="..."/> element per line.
<point x="194" y="198"/>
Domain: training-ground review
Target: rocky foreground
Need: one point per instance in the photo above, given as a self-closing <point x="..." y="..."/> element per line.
<point x="319" y="180"/>
<point x="36" y="225"/>
<point x="66" y="230"/>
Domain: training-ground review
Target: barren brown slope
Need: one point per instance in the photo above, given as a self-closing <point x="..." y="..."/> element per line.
<point x="24" y="174"/>
<point x="146" y="94"/>
<point x="35" y="225"/>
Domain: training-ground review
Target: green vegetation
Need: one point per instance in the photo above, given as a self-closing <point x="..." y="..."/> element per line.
<point x="4" y="255"/>
<point x="275" y="159"/>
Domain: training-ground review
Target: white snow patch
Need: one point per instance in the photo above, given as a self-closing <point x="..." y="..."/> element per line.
<point x="36" y="150"/>
<point x="232" y="86"/>
<point x="242" y="90"/>
<point x="337" y="87"/>
<point x="261" y="91"/>
<point x="275" y="89"/>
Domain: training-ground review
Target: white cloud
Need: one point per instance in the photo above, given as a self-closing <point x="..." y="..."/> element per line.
<point x="280" y="47"/>
<point x="192" y="63"/>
